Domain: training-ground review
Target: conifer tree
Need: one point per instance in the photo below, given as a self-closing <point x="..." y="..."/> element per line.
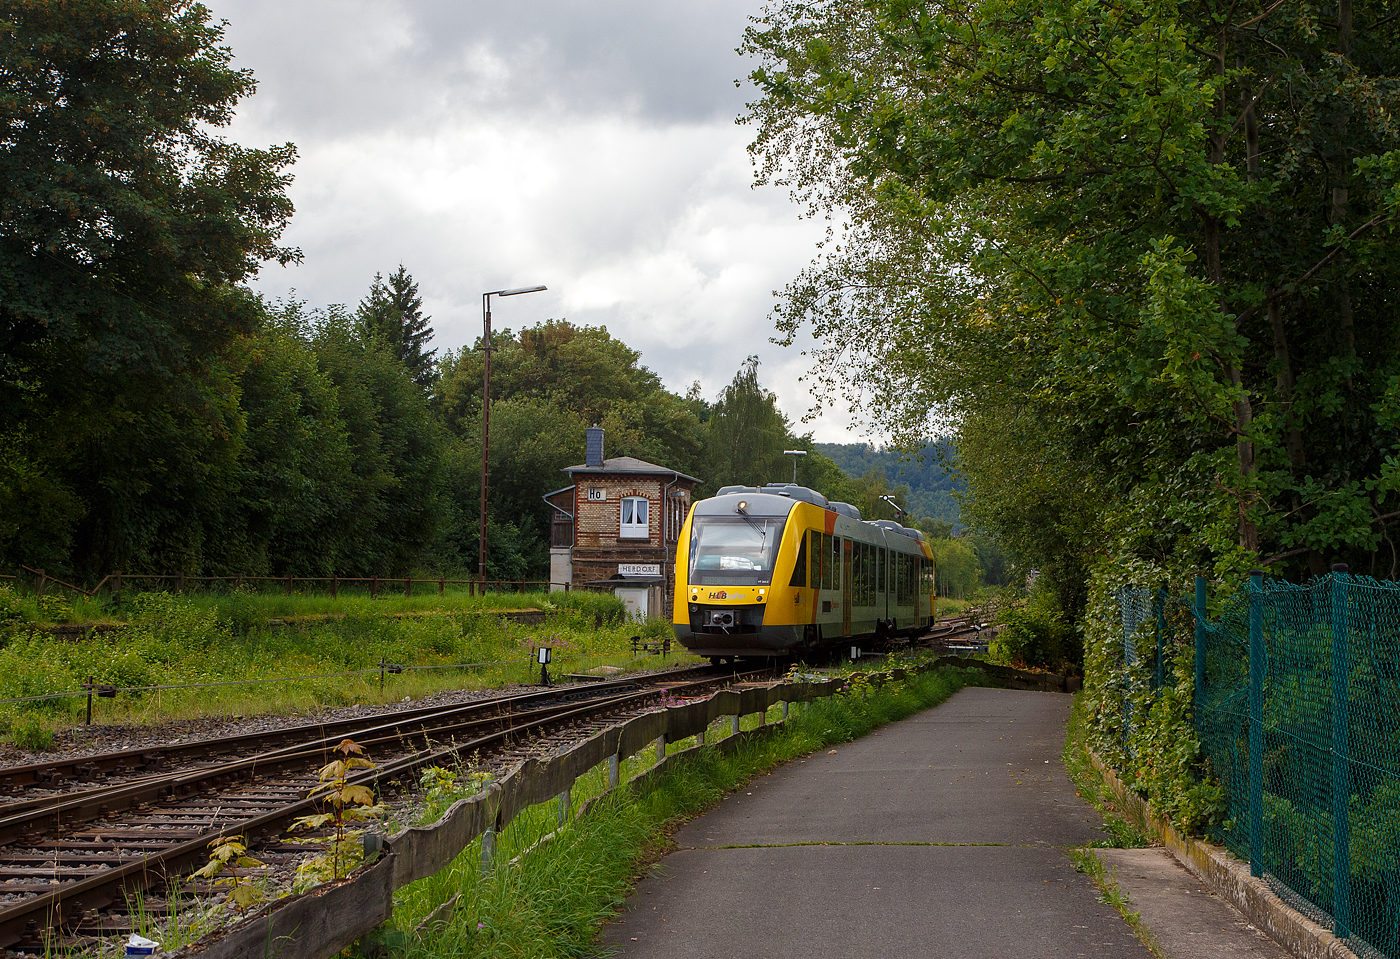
<point x="393" y="315"/>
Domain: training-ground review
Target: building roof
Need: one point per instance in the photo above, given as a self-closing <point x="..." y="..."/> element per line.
<point x="628" y="464"/>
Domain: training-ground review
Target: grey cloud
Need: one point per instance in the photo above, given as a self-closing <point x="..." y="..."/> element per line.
<point x="357" y="65"/>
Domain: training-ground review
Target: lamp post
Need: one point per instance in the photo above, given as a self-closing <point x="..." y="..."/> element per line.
<point x="794" y="454"/>
<point x="486" y="412"/>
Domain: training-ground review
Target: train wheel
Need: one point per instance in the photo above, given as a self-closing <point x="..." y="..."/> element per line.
<point x="716" y="660"/>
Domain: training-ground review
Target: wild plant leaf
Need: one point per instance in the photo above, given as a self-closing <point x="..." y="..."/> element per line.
<point x="360" y="795"/>
<point x="313" y="822"/>
<point x="248" y="862"/>
<point x="209" y="870"/>
<point x="245" y="895"/>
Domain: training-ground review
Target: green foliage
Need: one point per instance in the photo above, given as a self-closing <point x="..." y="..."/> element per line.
<point x="444" y="787"/>
<point x="126" y="225"/>
<point x="924" y="473"/>
<point x="747" y="432"/>
<point x="392" y="315"/>
<point x="227" y="855"/>
<point x="1037" y="635"/>
<point x="1140" y="259"/>
<point x="344" y="802"/>
<point x="31" y="733"/>
<point x="1161" y="755"/>
<point x="957" y="573"/>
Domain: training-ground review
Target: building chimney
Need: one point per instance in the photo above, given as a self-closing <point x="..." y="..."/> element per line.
<point x="594" y="450"/>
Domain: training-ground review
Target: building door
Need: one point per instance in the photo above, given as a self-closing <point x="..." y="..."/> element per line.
<point x="846" y="591"/>
<point x="635" y="599"/>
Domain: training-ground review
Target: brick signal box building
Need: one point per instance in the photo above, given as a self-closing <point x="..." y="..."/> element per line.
<point x="616" y="527"/>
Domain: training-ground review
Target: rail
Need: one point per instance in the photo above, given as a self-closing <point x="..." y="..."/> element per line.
<point x="320" y="923"/>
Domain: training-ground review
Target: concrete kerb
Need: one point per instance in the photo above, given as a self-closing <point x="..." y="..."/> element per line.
<point x="1229" y="879"/>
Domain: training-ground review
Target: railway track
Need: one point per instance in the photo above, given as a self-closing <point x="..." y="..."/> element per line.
<point x="84" y="839"/>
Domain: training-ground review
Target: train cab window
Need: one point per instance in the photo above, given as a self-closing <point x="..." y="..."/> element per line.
<point x="926" y="579"/>
<point x="884" y="560"/>
<point x="799" y="569"/>
<point x="734" y="551"/>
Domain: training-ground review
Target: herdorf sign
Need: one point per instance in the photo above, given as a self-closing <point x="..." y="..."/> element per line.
<point x="639" y="569"/>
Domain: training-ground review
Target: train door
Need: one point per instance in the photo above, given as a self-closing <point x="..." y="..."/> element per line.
<point x="846" y="591"/>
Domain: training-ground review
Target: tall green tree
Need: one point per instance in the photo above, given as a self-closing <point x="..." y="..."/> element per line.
<point x="393" y="314"/>
<point x="126" y="227"/>
<point x="747" y="432"/>
<point x="1159" y="234"/>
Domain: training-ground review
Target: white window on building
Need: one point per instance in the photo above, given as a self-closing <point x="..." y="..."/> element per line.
<point x="634" y="518"/>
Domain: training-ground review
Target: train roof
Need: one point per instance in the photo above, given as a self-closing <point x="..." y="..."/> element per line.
<point x="777" y="499"/>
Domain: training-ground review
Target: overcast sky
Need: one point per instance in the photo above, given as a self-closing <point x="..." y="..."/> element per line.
<point x="587" y="145"/>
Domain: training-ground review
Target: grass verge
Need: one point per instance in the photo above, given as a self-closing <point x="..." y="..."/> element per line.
<point x="1090" y="785"/>
<point x="1088" y="862"/>
<point x="550" y="898"/>
<point x="172" y="652"/>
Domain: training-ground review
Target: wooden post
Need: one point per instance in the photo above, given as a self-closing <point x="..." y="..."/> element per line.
<point x="785" y="710"/>
<point x="180" y="583"/>
<point x="335" y="586"/>
<point x="700" y="738"/>
<point x="408" y="586"/>
<point x="238" y="582"/>
<point x="289" y="584"/>
<point x="565" y="802"/>
<point x="373" y="587"/>
<point x="613" y="770"/>
<point x="442" y="585"/>
<point x="734" y="725"/>
<point x="39" y="584"/>
<point x="117" y="588"/>
<point x="661" y="747"/>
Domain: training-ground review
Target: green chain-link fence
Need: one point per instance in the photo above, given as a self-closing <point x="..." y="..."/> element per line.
<point x="1298" y="710"/>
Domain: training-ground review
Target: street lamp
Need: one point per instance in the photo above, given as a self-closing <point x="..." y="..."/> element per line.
<point x="898" y="510"/>
<point x="486" y="411"/>
<point x="794" y="454"/>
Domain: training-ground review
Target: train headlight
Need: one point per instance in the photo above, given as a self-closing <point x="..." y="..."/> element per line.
<point x="761" y="595"/>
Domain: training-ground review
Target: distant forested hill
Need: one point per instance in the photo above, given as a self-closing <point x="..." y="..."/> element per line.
<point x="930" y="485"/>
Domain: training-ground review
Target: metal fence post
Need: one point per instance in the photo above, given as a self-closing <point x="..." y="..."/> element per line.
<point x="661" y="747"/>
<point x="1256" y="722"/>
<point x="1161" y="605"/>
<point x="1200" y="647"/>
<point x="613" y="771"/>
<point x="1341" y="787"/>
<point x="734" y="725"/>
<point x="565" y="802"/>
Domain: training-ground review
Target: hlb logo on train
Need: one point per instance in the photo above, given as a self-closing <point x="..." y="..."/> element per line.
<point x="722" y="594"/>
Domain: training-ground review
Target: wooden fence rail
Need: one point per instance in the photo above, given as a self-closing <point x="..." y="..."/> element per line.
<point x="181" y="582"/>
<point x="320" y="923"/>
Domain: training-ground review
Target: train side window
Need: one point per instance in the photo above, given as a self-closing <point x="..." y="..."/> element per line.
<point x="867" y="571"/>
<point x="835" y="562"/>
<point x="880" y="586"/>
<point x="799" y="569"/>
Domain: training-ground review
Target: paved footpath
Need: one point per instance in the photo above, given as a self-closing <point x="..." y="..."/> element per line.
<point x="943" y="835"/>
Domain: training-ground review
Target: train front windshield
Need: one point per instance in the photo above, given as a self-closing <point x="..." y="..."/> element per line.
<point x="734" y="550"/>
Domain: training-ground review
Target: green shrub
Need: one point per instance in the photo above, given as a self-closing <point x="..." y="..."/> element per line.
<point x="31" y="733"/>
<point x="1037" y="636"/>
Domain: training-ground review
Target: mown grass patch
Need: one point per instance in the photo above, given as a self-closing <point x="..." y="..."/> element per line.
<point x="547" y="899"/>
<point x="177" y="647"/>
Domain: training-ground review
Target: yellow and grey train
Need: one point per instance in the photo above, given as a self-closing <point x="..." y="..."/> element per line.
<point x="779" y="571"/>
